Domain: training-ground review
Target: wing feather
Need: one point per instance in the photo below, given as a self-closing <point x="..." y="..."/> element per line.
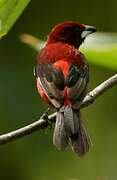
<point x="48" y="80"/>
<point x="76" y="82"/>
<point x="53" y="82"/>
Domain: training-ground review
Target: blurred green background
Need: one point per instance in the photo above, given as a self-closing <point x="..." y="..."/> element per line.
<point x="34" y="157"/>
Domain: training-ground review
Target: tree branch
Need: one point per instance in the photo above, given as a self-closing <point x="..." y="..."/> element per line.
<point x="43" y="123"/>
<point x="92" y="95"/>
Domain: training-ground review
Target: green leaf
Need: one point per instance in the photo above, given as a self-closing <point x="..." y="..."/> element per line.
<point x="10" y="10"/>
<point x="101" y="49"/>
<point x="106" y="57"/>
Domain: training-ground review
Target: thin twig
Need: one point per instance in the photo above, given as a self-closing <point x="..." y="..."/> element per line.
<point x="92" y="95"/>
<point x="42" y="123"/>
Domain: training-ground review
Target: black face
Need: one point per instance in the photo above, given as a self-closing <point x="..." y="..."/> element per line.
<point x="70" y="35"/>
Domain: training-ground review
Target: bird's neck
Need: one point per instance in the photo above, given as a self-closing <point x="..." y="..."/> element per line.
<point x="56" y="51"/>
<point x="75" y="42"/>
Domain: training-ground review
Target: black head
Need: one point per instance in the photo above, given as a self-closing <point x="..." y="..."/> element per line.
<point x="71" y="33"/>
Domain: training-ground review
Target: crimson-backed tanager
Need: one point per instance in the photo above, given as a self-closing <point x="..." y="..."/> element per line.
<point x="62" y="76"/>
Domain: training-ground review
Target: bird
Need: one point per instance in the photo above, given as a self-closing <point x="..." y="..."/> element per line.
<point x="62" y="76"/>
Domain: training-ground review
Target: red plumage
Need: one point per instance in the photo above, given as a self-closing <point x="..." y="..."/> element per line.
<point x="62" y="78"/>
<point x="50" y="54"/>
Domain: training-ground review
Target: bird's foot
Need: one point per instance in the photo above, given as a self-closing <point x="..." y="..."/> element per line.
<point x="46" y="118"/>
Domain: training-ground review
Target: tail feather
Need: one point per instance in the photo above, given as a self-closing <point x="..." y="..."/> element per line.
<point x="60" y="138"/>
<point x="80" y="141"/>
<point x="70" y="120"/>
<point x="69" y="128"/>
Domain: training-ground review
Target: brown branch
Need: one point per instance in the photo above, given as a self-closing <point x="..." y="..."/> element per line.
<point x="92" y="95"/>
<point x="42" y="123"/>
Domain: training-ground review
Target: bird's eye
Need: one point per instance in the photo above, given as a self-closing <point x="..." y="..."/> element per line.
<point x="77" y="30"/>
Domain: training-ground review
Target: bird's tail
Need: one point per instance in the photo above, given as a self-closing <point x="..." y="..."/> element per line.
<point x="69" y="128"/>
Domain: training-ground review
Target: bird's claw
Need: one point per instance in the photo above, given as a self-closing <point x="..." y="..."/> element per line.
<point x="46" y="118"/>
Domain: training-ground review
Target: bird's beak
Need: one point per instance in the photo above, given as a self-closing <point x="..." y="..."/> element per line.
<point x="88" y="30"/>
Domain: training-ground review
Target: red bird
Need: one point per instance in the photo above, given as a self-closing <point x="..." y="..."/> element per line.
<point x="62" y="77"/>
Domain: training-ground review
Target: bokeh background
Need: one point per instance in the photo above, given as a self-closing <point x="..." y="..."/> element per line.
<point x="34" y="157"/>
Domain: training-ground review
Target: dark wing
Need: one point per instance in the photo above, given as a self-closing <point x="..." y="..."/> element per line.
<point x="76" y="82"/>
<point x="52" y="82"/>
